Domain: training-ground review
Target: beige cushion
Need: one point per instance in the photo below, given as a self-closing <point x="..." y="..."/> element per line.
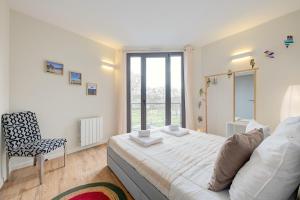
<point x="234" y="153"/>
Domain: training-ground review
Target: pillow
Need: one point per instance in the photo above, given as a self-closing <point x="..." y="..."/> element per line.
<point x="271" y="173"/>
<point x="234" y="153"/>
<point x="290" y="128"/>
<point x="255" y="125"/>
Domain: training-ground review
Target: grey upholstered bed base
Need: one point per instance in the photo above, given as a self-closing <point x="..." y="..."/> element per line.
<point x="139" y="187"/>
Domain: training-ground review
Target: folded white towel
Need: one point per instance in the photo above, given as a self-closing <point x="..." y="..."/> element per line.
<point x="174" y="127"/>
<point x="145" y="141"/>
<point x="144" y="133"/>
<point x="179" y="133"/>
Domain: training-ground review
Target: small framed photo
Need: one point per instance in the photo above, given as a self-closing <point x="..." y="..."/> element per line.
<point x="75" y="78"/>
<point x="54" y="67"/>
<point x="91" y="89"/>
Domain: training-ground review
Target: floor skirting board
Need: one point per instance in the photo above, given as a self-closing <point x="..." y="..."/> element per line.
<point x="14" y="164"/>
<point x="1" y="182"/>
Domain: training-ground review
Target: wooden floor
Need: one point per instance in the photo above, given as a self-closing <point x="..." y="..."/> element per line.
<point x="82" y="167"/>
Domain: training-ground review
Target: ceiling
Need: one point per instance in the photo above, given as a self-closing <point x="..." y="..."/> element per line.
<point x="155" y="23"/>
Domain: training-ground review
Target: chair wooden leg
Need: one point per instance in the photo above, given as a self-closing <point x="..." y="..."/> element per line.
<point x="41" y="159"/>
<point x="7" y="166"/>
<point x="65" y="154"/>
<point x="34" y="161"/>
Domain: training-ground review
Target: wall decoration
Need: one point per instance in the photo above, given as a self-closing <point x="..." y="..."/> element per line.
<point x="229" y="73"/>
<point x="289" y="40"/>
<point x="269" y="54"/>
<point x="202" y="98"/>
<point x="55" y="68"/>
<point x="214" y="81"/>
<point x="200" y="119"/>
<point x="252" y="63"/>
<point x="75" y="78"/>
<point x="208" y="81"/>
<point x="91" y="89"/>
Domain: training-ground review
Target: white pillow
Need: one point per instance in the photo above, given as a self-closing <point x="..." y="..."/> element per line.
<point x="272" y="173"/>
<point x="290" y="128"/>
<point x="255" y="125"/>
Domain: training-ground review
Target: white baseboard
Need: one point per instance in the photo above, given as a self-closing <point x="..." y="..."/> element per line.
<point x="1" y="182"/>
<point x="50" y="156"/>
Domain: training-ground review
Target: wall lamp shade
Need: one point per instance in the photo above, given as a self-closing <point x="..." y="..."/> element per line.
<point x="240" y="57"/>
<point x="107" y="67"/>
<point x="291" y="102"/>
<point x="107" y="64"/>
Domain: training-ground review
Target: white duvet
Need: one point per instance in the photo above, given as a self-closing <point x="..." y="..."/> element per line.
<point x="180" y="167"/>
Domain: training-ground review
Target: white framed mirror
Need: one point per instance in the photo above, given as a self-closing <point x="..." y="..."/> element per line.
<point x="244" y="95"/>
<point x="230" y="97"/>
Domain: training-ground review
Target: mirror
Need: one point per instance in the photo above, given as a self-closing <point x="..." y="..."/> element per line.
<point x="244" y="95"/>
<point x="229" y="97"/>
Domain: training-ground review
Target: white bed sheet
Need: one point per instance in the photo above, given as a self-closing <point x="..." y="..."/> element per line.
<point x="180" y="167"/>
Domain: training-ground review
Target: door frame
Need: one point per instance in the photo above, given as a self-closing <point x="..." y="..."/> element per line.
<point x="143" y="56"/>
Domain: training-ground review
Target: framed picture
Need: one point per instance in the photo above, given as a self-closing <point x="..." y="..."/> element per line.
<point x="91" y="89"/>
<point x="55" y="68"/>
<point x="75" y="78"/>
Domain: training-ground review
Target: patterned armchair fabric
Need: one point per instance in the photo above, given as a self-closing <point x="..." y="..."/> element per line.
<point x="23" y="138"/>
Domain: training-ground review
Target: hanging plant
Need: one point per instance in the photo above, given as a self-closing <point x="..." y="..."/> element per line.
<point x="208" y="81"/>
<point x="200" y="119"/>
<point x="201" y="94"/>
<point x="252" y="63"/>
<point x="199" y="104"/>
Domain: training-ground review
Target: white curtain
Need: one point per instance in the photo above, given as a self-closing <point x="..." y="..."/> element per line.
<point x="188" y="51"/>
<point x="121" y="91"/>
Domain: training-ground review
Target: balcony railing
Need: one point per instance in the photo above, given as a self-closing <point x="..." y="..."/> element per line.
<point x="155" y="114"/>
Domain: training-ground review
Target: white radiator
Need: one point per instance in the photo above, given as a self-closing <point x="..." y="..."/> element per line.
<point x="235" y="127"/>
<point x="91" y="130"/>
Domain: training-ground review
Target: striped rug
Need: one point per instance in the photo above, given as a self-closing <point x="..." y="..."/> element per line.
<point x="93" y="191"/>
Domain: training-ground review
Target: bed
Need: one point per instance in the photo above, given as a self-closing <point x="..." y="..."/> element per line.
<point x="178" y="168"/>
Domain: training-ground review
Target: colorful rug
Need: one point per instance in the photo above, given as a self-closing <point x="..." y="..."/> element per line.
<point x="93" y="191"/>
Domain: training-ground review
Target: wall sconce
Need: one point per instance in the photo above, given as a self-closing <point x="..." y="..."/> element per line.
<point x="106" y="64"/>
<point x="106" y="67"/>
<point x="241" y="56"/>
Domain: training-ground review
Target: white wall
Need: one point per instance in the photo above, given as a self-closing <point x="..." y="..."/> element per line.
<point x="59" y="105"/>
<point x="4" y="75"/>
<point x="274" y="75"/>
<point x="219" y="97"/>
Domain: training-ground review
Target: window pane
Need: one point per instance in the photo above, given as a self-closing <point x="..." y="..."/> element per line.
<point x="155" y="86"/>
<point x="175" y="68"/>
<point x="135" y="84"/>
